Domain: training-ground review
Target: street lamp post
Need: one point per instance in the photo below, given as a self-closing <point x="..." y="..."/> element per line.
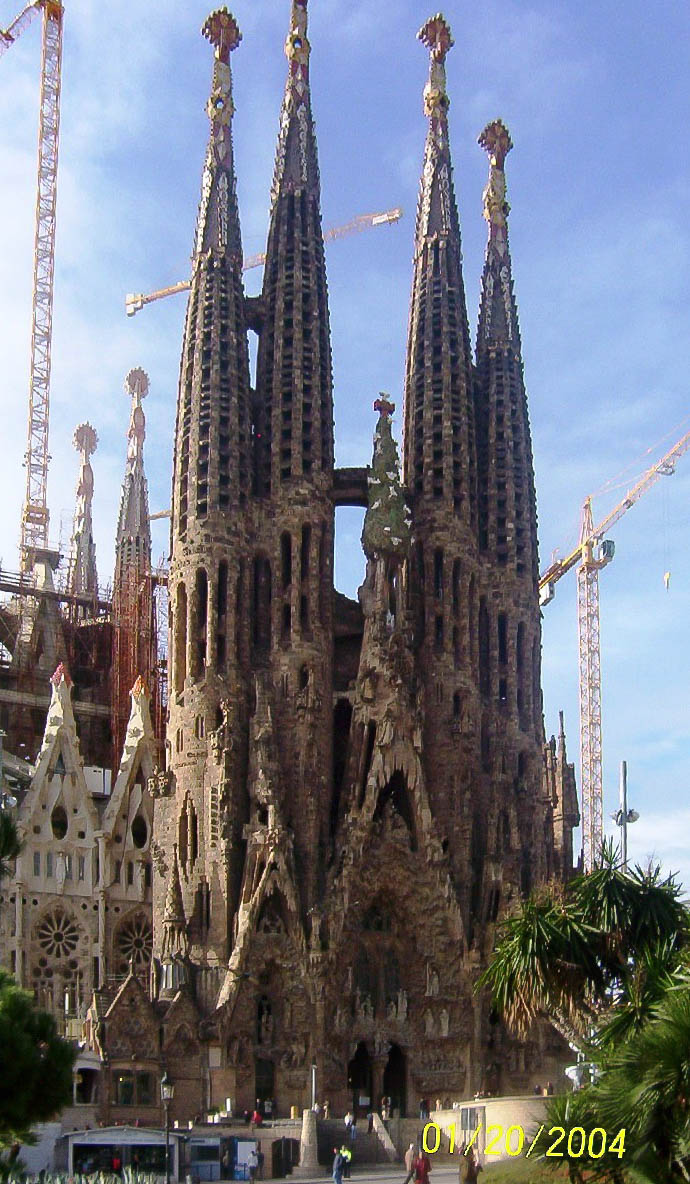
<point x="623" y="815"/>
<point x="167" y="1095"/>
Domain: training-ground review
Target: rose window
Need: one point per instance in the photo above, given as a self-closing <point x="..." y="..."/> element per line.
<point x="58" y="935"/>
<point x="134" y="943"/>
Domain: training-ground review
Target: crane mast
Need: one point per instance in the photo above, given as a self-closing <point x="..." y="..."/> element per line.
<point x="591" y="554"/>
<point x="34" y="523"/>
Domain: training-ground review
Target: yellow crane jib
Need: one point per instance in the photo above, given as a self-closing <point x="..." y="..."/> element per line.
<point x="135" y="301"/>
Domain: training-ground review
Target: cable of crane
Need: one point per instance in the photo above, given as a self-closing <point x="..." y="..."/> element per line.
<point x="135" y="301"/>
<point x="609" y="487"/>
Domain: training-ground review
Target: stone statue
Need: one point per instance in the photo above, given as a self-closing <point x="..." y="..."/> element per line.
<point x="402" y="1004"/>
<point x="428" y="1023"/>
<point x="391" y="1013"/>
<point x="445" y="1022"/>
<point x="141" y="879"/>
<point x="432" y="981"/>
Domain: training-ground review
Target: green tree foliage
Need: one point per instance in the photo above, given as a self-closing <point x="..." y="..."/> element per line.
<point x="35" y="1065"/>
<point x="10" y="844"/>
<point x="606" y="958"/>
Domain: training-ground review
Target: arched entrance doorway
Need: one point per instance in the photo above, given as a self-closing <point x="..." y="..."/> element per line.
<point x="359" y="1079"/>
<point x="264" y="1074"/>
<point x="395" y="1079"/>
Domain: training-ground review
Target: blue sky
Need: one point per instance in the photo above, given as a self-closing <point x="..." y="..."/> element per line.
<point x="597" y="101"/>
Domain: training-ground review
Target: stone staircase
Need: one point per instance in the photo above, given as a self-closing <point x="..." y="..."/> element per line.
<point x="368" y="1147"/>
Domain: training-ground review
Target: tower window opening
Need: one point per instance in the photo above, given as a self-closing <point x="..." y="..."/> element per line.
<point x="502" y="639"/>
<point x="181" y="639"/>
<point x="285" y="560"/>
<point x="438" y="574"/>
<point x="200" y="622"/>
<point x="261" y="604"/>
<point x="484" y="649"/>
<point x="456" y="585"/>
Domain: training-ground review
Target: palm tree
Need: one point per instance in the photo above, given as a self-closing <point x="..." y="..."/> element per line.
<point x="606" y="958"/>
<point x="588" y="953"/>
<point x="10" y="843"/>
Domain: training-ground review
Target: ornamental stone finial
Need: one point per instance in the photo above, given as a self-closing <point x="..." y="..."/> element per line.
<point x="221" y="29"/>
<point x="137" y="388"/>
<point x="383" y="405"/>
<point x="297" y="46"/>
<point x="85" y="440"/>
<point x="495" y="139"/>
<point x="436" y="35"/>
<point x="137" y="384"/>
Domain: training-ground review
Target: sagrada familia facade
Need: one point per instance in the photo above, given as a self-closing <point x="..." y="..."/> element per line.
<point x="353" y="793"/>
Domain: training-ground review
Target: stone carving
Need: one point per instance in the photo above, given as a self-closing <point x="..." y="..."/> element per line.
<point x="239" y="1052"/>
<point x="295" y="1057"/>
<point x="432" y="980"/>
<point x="363" y="1006"/>
<point x="159" y="784"/>
<point x="429" y="1026"/>
<point x="402" y="1005"/>
<point x="444" y="1022"/>
<point x="158" y="857"/>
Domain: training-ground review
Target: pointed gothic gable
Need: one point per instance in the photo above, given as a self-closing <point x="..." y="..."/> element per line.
<point x="180" y="1026"/>
<point x="131" y="1023"/>
<point x="58" y="800"/>
<point x="130" y="795"/>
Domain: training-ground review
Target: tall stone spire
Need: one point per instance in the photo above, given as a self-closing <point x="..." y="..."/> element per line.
<point x="133" y="539"/>
<point x="294" y="398"/>
<point x="212" y="440"/>
<point x="508" y="516"/>
<point x="498" y="321"/>
<point x="209" y="585"/>
<point x="83" y="579"/>
<point x="439" y="459"/>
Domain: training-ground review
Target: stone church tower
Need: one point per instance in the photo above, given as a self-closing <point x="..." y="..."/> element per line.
<point x="354" y="792"/>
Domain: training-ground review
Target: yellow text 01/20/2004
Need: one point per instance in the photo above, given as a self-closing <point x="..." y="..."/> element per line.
<point x="556" y="1143"/>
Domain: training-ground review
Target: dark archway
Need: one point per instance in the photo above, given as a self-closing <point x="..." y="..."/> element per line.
<point x="359" y="1079"/>
<point x="264" y="1074"/>
<point x="395" y="1079"/>
<point x="394" y="796"/>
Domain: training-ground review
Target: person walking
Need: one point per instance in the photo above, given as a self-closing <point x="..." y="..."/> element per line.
<point x="347" y="1160"/>
<point x="469" y="1167"/>
<point x="410" y="1157"/>
<point x="338" y="1165"/>
<point x="422" y="1167"/>
<point x="252" y="1164"/>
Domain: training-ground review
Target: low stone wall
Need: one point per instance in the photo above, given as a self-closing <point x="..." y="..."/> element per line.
<point x="525" y="1112"/>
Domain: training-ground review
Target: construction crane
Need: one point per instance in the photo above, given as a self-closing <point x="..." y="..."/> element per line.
<point x="34" y="524"/>
<point x="592" y="553"/>
<point x="135" y="301"/>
